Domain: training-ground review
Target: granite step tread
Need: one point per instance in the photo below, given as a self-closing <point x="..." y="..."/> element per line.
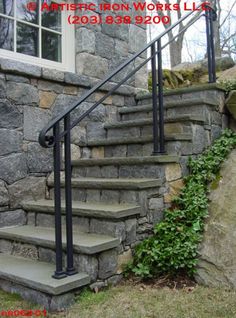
<point x="149" y="121"/>
<point x="86" y="243"/>
<point x="170" y="104"/>
<point x="38" y="275"/>
<point x="135" y="140"/>
<point x="85" y="209"/>
<point x="111" y="183"/>
<point x="118" y="161"/>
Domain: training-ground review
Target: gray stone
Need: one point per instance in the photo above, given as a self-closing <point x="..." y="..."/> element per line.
<point x="76" y="79"/>
<point x="45" y="220"/>
<point x="91" y="65"/>
<point x="5" y="246"/>
<point x="115" y="229"/>
<point x="62" y="103"/>
<point x="22" y="94"/>
<point x="29" y="188"/>
<point x="130" y="228"/>
<point x="39" y="159"/>
<point x="50" y="86"/>
<point x="12" y="218"/>
<point x="20" y="68"/>
<point x="217" y="263"/>
<point x="47" y="255"/>
<point x="31" y="219"/>
<point x="85" y="40"/>
<point x="13" y="168"/>
<point x="156" y="204"/>
<point x="10" y="117"/>
<point x="10" y="141"/>
<point x="25" y="250"/>
<point x="81" y="224"/>
<point x="95" y="130"/>
<point x="110" y="196"/>
<point x="137" y="37"/>
<point x="87" y="264"/>
<point x="114" y="280"/>
<point x="53" y="74"/>
<point x="121" y="48"/>
<point x="35" y="120"/>
<point x="4" y="196"/>
<point x="104" y="46"/>
<point x="122" y="32"/>
<point x="97" y="286"/>
<point x="17" y="78"/>
<point x="118" y="100"/>
<point x="107" y="264"/>
<point x="61" y="302"/>
<point x="78" y="135"/>
<point x="2" y="89"/>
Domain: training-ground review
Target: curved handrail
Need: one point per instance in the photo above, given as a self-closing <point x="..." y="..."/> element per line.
<point x="48" y="141"/>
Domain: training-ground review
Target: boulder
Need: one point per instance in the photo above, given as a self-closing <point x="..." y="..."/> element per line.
<point x="217" y="261"/>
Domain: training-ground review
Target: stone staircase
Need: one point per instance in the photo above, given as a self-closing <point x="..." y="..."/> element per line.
<point x="119" y="193"/>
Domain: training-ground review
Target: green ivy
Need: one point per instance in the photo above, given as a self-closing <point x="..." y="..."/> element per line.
<point x="173" y="247"/>
<point x="228" y="85"/>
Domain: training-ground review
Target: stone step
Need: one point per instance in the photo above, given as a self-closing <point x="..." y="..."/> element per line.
<point x="118" y="167"/>
<point x="85" y="243"/>
<point x="111" y="183"/>
<point x="136" y="140"/>
<point x="172" y="109"/>
<point x="149" y="121"/>
<point x="82" y="209"/>
<point x="38" y="275"/>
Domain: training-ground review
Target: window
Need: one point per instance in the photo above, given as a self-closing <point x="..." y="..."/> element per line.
<point x="43" y="38"/>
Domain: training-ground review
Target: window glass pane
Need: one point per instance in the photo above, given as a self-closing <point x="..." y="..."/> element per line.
<point x="52" y="20"/>
<point x="6" y="7"/>
<point x="6" y="34"/>
<point x="27" y="39"/>
<point x="27" y="15"/>
<point x="51" y="46"/>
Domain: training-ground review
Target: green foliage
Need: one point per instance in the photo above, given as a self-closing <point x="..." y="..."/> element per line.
<point x="228" y="85"/>
<point x="173" y="247"/>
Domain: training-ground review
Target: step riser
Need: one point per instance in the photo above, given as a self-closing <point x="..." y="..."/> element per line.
<point x="137" y="197"/>
<point x="171" y="113"/>
<point x="137" y="150"/>
<point x="114" y="228"/>
<point x="124" y="171"/>
<point x="147" y="130"/>
<point x="83" y="263"/>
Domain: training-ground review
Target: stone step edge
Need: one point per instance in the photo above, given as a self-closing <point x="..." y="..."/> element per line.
<point x="119" y="161"/>
<point x="134" y="140"/>
<point x="167" y="105"/>
<point x="89" y="210"/>
<point x="37" y="275"/>
<point x="111" y="184"/>
<point x="149" y="121"/>
<point x="89" y="244"/>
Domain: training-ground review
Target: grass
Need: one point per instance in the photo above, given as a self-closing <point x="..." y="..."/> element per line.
<point x="143" y="301"/>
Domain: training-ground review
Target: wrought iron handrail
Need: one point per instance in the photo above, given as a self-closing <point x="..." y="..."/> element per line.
<point x="55" y="139"/>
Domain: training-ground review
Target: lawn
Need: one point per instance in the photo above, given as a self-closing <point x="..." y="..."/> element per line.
<point x="140" y="301"/>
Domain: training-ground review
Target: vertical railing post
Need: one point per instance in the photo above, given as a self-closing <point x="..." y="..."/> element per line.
<point x="210" y="46"/>
<point x="70" y="270"/>
<point x="154" y="99"/>
<point x="59" y="273"/>
<point x="160" y="98"/>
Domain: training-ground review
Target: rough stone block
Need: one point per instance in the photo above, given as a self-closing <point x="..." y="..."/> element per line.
<point x="87" y="264"/>
<point x="95" y="130"/>
<point x="130" y="228"/>
<point x="2" y="88"/>
<point x="107" y="264"/>
<point x="13" y="168"/>
<point x="175" y="188"/>
<point x="25" y="250"/>
<point x="45" y="220"/>
<point x="50" y="86"/>
<point x="4" y="196"/>
<point x="104" y="46"/>
<point x="114" y="280"/>
<point x="34" y="121"/>
<point x="5" y="246"/>
<point x="22" y="94"/>
<point x="110" y="196"/>
<point x="12" y="218"/>
<point x="81" y="224"/>
<point x="115" y="229"/>
<point x="46" y="99"/>
<point x="10" y="141"/>
<point x="123" y="259"/>
<point x="173" y="172"/>
<point x="98" y="152"/>
<point x="91" y="65"/>
<point x="39" y="159"/>
<point x="47" y="255"/>
<point x="20" y="68"/>
<point x="10" y="117"/>
<point x="85" y="40"/>
<point x="52" y="74"/>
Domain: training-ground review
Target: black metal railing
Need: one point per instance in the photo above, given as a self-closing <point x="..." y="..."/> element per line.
<point x="62" y="125"/>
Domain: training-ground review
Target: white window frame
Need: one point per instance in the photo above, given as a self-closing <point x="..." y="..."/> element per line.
<point x="67" y="46"/>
